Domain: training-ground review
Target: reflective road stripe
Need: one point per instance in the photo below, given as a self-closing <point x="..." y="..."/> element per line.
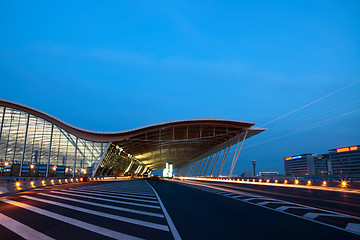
<point x="115" y="193"/>
<point x="21" y="229"/>
<point x="104" y="205"/>
<point x="72" y="221"/>
<point x="101" y="214"/>
<point x="107" y="195"/>
<point x="174" y="231"/>
<point x="108" y="200"/>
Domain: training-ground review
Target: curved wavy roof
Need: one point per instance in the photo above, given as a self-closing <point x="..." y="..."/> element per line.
<point x="154" y="144"/>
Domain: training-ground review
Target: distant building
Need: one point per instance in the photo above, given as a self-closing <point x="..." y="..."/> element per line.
<point x="339" y="161"/>
<point x="302" y="164"/>
<point x="345" y="160"/>
<point x="321" y="166"/>
<point x="268" y="174"/>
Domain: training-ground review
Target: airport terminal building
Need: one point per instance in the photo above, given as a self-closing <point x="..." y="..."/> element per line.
<point x="34" y="143"/>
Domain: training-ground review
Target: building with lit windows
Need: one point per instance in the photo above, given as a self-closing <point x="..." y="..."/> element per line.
<point x="345" y="160"/>
<point x="302" y="164"/>
<point x="339" y="161"/>
<point x="34" y="143"/>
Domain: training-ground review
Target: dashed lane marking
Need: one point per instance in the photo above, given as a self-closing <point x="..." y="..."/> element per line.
<point x="107" y="200"/>
<point x="72" y="221"/>
<point x="101" y="214"/>
<point x="115" y="194"/>
<point x="117" y="197"/>
<point x="338" y="221"/>
<point x="120" y="191"/>
<point x="21" y="229"/>
<point x="105" y="205"/>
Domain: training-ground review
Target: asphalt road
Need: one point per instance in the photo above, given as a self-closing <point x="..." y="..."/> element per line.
<point x="199" y="214"/>
<point x="107" y="210"/>
<point x="339" y="201"/>
<point x="155" y="209"/>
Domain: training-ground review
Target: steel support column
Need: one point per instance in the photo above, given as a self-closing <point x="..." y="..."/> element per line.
<point x="24" y="146"/>
<point x="215" y="162"/>
<point x="201" y="164"/>
<point x="226" y="152"/>
<point x="193" y="168"/>
<point x="76" y="147"/>
<point x="197" y="166"/>
<point x="207" y="167"/>
<point x="101" y="158"/>
<point x="2" y="122"/>
<point x="206" y="159"/>
<point x="48" y="162"/>
<point x="237" y="155"/>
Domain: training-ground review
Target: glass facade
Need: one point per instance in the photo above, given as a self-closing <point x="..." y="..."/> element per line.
<point x="116" y="162"/>
<point x="32" y="146"/>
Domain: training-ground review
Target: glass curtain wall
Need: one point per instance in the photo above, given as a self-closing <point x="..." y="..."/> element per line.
<point x="32" y="146"/>
<point x="116" y="162"/>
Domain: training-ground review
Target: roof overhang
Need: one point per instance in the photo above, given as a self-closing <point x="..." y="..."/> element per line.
<point x="176" y="142"/>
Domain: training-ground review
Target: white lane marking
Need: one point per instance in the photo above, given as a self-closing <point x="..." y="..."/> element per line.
<point x="117" y="197"/>
<point x="266" y="202"/>
<point x="228" y="194"/>
<point x="116" y="194"/>
<point x="283" y="208"/>
<point x="120" y="191"/>
<point x="21" y="229"/>
<point x="105" y="206"/>
<point x="173" y="229"/>
<point x="101" y="214"/>
<point x="285" y="202"/>
<point x="355" y="227"/>
<point x="249" y="199"/>
<point x="72" y="221"/>
<point x="315" y="215"/>
<point x="107" y="200"/>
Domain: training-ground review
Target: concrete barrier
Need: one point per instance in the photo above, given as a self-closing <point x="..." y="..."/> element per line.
<point x="9" y="186"/>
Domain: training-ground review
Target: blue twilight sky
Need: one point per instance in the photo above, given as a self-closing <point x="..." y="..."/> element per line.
<point x="115" y="65"/>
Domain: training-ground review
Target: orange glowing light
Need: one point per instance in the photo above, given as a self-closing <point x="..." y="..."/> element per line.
<point x="268" y="181"/>
<point x="81" y="179"/>
<point x="285" y="182"/>
<point x="253" y="180"/>
<point x="276" y="181"/>
<point x="343" y="184"/>
<point x="347" y="149"/>
<point x="288" y="158"/>
<point x="309" y="182"/>
<point x="18" y="184"/>
<point x="324" y="183"/>
<point x="260" y="180"/>
<point x="6" y="164"/>
<point x="296" y="181"/>
<point x="32" y="166"/>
